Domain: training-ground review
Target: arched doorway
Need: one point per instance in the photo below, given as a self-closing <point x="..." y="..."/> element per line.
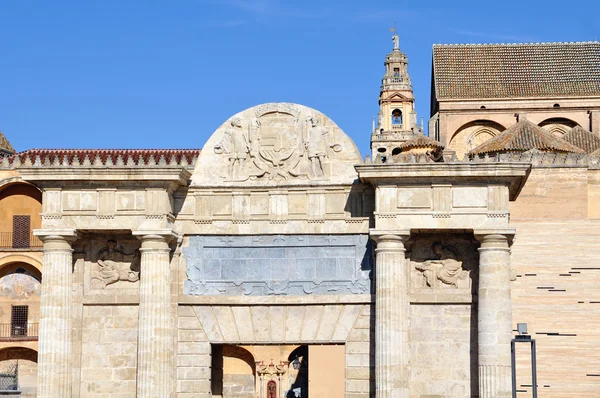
<point x="298" y="373"/>
<point x="233" y="372"/>
<point x="18" y="370"/>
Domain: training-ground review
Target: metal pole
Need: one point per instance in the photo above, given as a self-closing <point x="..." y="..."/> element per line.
<point x="523" y="339"/>
<point x="513" y="368"/>
<point x="533" y="369"/>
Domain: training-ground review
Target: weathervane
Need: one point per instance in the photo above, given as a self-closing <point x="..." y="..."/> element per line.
<point x="395" y="37"/>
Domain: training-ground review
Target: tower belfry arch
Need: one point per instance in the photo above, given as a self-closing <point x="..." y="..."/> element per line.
<point x="397" y="118"/>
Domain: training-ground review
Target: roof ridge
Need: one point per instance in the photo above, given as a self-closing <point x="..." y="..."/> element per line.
<point x="515" y="138"/>
<point x="514" y="44"/>
<point x="108" y="149"/>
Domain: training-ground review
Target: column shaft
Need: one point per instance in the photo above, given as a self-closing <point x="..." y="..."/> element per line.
<point x="494" y="317"/>
<point x="54" y="355"/>
<point x="155" y="343"/>
<point x="392" y="350"/>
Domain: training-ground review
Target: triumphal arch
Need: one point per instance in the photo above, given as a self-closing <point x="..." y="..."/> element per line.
<point x="272" y="263"/>
<point x="276" y="262"/>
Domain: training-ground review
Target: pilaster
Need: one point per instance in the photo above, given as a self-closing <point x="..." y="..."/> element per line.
<point x="156" y="318"/>
<point x="392" y="350"/>
<point x="494" y="314"/>
<point x="55" y="340"/>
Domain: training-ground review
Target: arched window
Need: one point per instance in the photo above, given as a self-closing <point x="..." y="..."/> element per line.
<point x="396" y="117"/>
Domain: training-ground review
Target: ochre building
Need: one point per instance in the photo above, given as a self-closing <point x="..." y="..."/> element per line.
<point x="276" y="262"/>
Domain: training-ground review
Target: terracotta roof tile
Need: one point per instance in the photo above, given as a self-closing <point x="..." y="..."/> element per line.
<point x="421" y="141"/>
<point x="138" y="157"/>
<point x="516" y="70"/>
<point x="583" y="139"/>
<point x="524" y="136"/>
<point x="5" y="145"/>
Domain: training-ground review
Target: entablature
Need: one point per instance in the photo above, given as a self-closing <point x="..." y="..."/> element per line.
<point x="443" y="195"/>
<point x="277" y="210"/>
<point x="108" y="197"/>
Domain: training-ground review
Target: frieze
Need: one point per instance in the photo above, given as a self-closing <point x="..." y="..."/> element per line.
<point x="266" y="265"/>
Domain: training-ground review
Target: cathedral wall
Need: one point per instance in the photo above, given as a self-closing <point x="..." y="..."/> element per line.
<point x="557" y="293"/>
<point x="454" y="121"/>
<point x="553" y="193"/>
<point x="556" y="288"/>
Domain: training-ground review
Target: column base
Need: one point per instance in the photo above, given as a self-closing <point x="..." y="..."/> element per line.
<point x="494" y="381"/>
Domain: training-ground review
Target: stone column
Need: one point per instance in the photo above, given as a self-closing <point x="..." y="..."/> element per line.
<point x="55" y="346"/>
<point x="156" y="318"/>
<point x="392" y="349"/>
<point x="494" y="315"/>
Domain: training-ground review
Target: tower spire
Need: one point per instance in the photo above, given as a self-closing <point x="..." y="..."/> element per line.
<point x="397" y="119"/>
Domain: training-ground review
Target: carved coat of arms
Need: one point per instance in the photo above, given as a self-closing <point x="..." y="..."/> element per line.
<point x="279" y="143"/>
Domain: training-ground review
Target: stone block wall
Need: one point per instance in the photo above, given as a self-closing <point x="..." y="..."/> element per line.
<point x="360" y="356"/>
<point x="109" y="351"/>
<point x="193" y="356"/>
<point x="443" y="350"/>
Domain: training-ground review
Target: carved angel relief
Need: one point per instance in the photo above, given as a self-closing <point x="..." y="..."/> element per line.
<point x="115" y="264"/>
<point x="280" y="143"/>
<point x="445" y="269"/>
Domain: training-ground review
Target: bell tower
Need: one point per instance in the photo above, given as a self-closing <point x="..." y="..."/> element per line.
<point x="397" y="119"/>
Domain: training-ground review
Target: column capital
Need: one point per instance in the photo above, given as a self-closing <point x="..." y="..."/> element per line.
<point x="495" y="238"/>
<point x="381" y="235"/>
<point x="390" y="241"/>
<point x="165" y="234"/>
<point x="67" y="234"/>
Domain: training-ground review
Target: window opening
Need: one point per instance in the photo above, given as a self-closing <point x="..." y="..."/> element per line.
<point x="396" y="116"/>
<point x="21" y="231"/>
<point x="20" y="313"/>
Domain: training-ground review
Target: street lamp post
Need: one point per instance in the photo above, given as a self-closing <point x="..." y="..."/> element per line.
<point x="523" y="337"/>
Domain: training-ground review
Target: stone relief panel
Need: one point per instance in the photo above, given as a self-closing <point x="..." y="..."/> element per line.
<point x="443" y="262"/>
<point x="112" y="263"/>
<point x="277" y="143"/>
<point x="264" y="265"/>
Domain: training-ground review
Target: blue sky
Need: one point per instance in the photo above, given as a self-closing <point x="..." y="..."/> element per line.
<point x="167" y="73"/>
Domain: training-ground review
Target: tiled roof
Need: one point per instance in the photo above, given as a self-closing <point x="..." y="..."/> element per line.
<point x="516" y="70"/>
<point x="104" y="157"/>
<point x="421" y="141"/>
<point x="524" y="136"/>
<point x="583" y="139"/>
<point x="5" y="145"/>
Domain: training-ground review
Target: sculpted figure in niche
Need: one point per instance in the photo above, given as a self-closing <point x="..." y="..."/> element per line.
<point x="446" y="267"/>
<point x="114" y="265"/>
<point x="317" y="146"/>
<point x="235" y="144"/>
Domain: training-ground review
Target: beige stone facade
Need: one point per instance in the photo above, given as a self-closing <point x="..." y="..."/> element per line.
<point x="20" y="279"/>
<point x="277" y="263"/>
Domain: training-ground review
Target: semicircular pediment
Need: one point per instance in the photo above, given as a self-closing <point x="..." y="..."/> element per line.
<point x="277" y="143"/>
